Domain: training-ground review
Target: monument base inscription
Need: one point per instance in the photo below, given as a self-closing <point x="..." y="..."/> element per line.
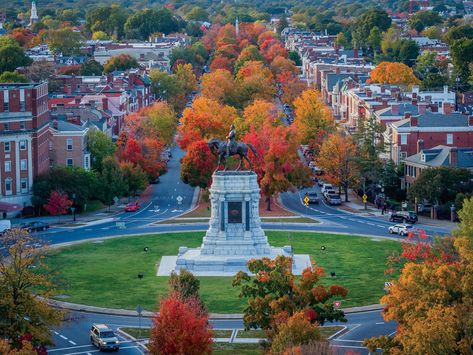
<point x="234" y="235"/>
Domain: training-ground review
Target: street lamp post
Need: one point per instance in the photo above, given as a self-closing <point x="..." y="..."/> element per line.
<point x="73" y="208"/>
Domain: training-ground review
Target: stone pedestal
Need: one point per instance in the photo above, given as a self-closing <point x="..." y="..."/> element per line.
<point x="234" y="235"/>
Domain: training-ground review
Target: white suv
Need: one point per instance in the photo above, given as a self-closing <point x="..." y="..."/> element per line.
<point x="401" y="229"/>
<point x="326" y="187"/>
<point x="103" y="337"/>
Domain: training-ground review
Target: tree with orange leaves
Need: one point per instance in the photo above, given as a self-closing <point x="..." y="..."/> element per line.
<point x="393" y="73"/>
<point x="274" y="294"/>
<point x="273" y="50"/>
<point x="432" y="300"/>
<point x="222" y="63"/>
<point x="257" y="114"/>
<point x="313" y="119"/>
<point x="23" y="36"/>
<point x="219" y="85"/>
<point x="206" y="119"/>
<point x="247" y="54"/>
<point x="281" y="65"/>
<point x="291" y="86"/>
<point x="251" y="31"/>
<point x="277" y="163"/>
<point x="255" y="81"/>
<point x="180" y="327"/>
<point x="336" y="159"/>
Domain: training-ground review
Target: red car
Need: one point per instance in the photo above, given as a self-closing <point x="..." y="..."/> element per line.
<point x="132" y="207"/>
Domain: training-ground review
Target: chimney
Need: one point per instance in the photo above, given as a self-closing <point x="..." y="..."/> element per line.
<point x="369" y="93"/>
<point x="395" y="109"/>
<point x="422" y="108"/>
<point x="414" y="121"/>
<point x="407" y="114"/>
<point x="420" y="145"/>
<point x="470" y="121"/>
<point x="77" y="100"/>
<point x="104" y="103"/>
<point x="453" y="157"/>
<point x="448" y="108"/>
<point x="337" y="70"/>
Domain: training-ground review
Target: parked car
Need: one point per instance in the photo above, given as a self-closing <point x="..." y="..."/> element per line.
<point x="404" y="216"/>
<point x="334" y="199"/>
<point x="5" y="225"/>
<point x="401" y="229"/>
<point x="320" y="183"/>
<point x="35" y="226"/>
<point x="327" y="192"/>
<point x="103" y="337"/>
<point x="424" y="207"/>
<point x="132" y="207"/>
<point x="313" y="197"/>
<point x="326" y="187"/>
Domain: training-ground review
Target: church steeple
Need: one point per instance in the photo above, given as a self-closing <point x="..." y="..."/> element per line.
<point x="34" y="13"/>
<point x="237" y="27"/>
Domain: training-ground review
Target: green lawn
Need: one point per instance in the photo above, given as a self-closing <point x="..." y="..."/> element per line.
<point x="105" y="274"/>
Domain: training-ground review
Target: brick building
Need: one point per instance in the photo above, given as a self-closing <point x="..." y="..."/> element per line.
<point x="415" y="133"/>
<point x="24" y="135"/>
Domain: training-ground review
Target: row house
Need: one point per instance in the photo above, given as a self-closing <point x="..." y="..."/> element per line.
<point x="24" y="133"/>
<point x="424" y="131"/>
<point x="68" y="144"/>
<point x="435" y="157"/>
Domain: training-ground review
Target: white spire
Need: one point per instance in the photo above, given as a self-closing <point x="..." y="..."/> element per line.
<point x="237" y="27"/>
<point x="34" y="13"/>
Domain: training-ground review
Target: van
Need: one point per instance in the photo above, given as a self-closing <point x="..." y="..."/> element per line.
<point x="326" y="187"/>
<point x="5" y="225"/>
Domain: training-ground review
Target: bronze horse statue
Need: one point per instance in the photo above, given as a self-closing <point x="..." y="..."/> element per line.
<point x="219" y="147"/>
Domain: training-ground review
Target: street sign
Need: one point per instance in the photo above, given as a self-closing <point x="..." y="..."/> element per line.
<point x="365" y="198"/>
<point x="179" y="199"/>
<point x="139" y="309"/>
<point x="115" y="199"/>
<point x="337" y="304"/>
<point x="306" y="200"/>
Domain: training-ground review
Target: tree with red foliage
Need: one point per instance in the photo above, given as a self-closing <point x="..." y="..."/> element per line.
<point x="222" y="63"/>
<point x="291" y="86"/>
<point x="180" y="327"/>
<point x="23" y="36"/>
<point x="198" y="164"/>
<point x="58" y="204"/>
<point x="277" y="163"/>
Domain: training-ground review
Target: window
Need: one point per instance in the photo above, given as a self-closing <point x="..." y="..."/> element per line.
<point x="7" y="166"/>
<point x="23" y="164"/>
<point x="422" y="157"/>
<point x="24" y="185"/>
<point x="403" y="139"/>
<point x="22" y="106"/>
<point x="23" y="144"/>
<point x="69" y="143"/>
<point x="8" y="186"/>
<point x="7" y="147"/>
<point x="70" y="162"/>
<point x="403" y="155"/>
<point x="6" y="126"/>
<point x="22" y="125"/>
<point x="6" y="107"/>
<point x="449" y="138"/>
<point x="86" y="162"/>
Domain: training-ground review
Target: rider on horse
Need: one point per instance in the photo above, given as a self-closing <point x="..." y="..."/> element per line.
<point x="231" y="140"/>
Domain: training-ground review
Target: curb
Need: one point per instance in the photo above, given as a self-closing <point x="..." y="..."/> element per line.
<point x="147" y="314"/>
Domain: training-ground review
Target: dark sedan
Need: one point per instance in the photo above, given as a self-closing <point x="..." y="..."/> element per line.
<point x="35" y="226"/>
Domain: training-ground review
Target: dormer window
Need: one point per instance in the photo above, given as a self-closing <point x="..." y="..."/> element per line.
<point x="422" y="157"/>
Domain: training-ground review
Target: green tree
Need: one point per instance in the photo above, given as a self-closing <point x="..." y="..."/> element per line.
<point x="458" y="32"/>
<point x="111" y="181"/>
<point x="142" y="24"/>
<point x="91" y="67"/>
<point x="12" y="57"/>
<point x="282" y="24"/>
<point x="374" y="39"/>
<point x="197" y="14"/>
<point x="65" y="41"/>
<point x="12" y="77"/>
<point x="341" y="40"/>
<point x="100" y="146"/>
<point x="439" y="185"/>
<point x="295" y="57"/>
<point x="422" y="19"/>
<point x="109" y="19"/>
<point x="185" y="284"/>
<point x="168" y="87"/>
<point x="120" y="62"/>
<point x="370" y="19"/>
<point x="134" y="178"/>
<point x="462" y="55"/>
<point x="26" y="283"/>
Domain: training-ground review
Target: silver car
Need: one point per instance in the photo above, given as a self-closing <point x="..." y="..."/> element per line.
<point x="103" y="337"/>
<point x="401" y="229"/>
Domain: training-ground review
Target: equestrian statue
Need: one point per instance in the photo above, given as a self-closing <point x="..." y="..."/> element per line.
<point x="225" y="149"/>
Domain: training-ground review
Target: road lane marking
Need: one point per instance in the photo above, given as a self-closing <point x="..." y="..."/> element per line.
<point x="55" y="332"/>
<point x="348" y="340"/>
<point x="69" y="348"/>
<point x="70" y="341"/>
<point x="379" y="323"/>
<point x="352" y="329"/>
<point x="62" y="336"/>
<point x="391" y="334"/>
